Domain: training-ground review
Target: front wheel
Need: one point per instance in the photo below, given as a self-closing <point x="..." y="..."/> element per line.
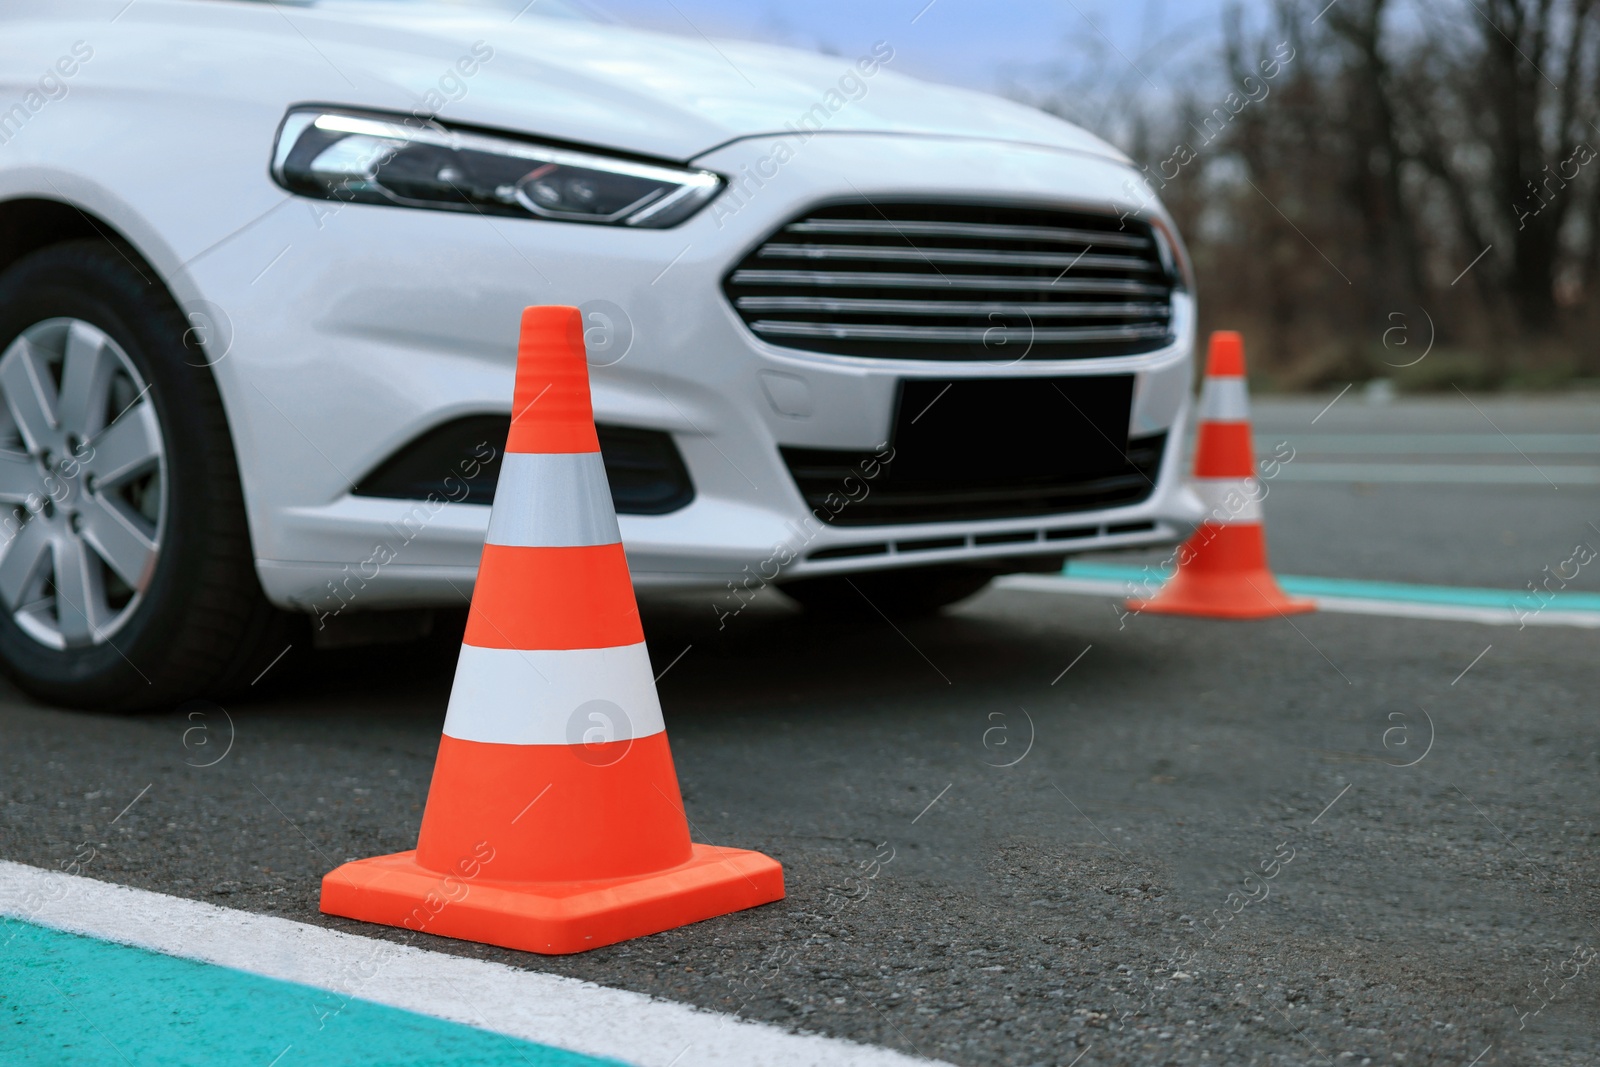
<point x="903" y="593"/>
<point x="126" y="577"/>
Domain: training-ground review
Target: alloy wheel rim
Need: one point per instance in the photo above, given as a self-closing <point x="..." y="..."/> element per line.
<point x="83" y="484"/>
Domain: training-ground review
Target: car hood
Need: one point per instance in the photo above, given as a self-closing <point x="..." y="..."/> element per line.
<point x="604" y="84"/>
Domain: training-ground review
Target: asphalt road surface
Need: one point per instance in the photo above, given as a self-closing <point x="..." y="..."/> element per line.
<point x="1024" y="832"/>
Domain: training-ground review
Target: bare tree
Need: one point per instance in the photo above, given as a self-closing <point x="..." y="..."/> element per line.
<point x="1347" y="162"/>
<point x="1378" y="160"/>
<point x="1531" y="67"/>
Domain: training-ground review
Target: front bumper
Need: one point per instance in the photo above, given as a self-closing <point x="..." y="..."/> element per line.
<point x="399" y="320"/>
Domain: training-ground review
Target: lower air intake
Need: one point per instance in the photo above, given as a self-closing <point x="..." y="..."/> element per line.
<point x="460" y="462"/>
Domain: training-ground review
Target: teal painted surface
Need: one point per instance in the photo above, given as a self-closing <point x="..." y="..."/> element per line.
<point x="1353" y="589"/>
<point x="66" y="999"/>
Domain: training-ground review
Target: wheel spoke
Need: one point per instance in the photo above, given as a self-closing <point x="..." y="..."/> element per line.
<point x="30" y="394"/>
<point x="86" y="373"/>
<point x="70" y="433"/>
<point x="127" y="448"/>
<point x="21" y="562"/>
<point x="80" y="593"/>
<point x="20" y="478"/>
<point x="119" y="539"/>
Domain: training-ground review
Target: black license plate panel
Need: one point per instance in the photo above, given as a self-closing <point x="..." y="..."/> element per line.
<point x="994" y="432"/>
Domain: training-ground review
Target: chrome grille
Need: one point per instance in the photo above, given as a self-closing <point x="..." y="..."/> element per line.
<point x="957" y="282"/>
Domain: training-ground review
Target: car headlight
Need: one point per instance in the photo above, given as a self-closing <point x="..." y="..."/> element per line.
<point x="379" y="159"/>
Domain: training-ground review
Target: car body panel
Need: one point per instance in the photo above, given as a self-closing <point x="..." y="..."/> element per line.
<point x="337" y="333"/>
<point x="592" y="83"/>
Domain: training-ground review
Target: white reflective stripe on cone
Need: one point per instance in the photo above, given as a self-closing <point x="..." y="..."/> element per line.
<point x="1230" y="499"/>
<point x="553" y="500"/>
<point x="1223" y="399"/>
<point x="574" y="696"/>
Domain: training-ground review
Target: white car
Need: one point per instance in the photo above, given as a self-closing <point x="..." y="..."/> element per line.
<point x="262" y="265"/>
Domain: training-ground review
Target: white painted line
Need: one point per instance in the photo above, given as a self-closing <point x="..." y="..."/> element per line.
<point x="1395" y="609"/>
<point x="1589" y="620"/>
<point x="545" y="1008"/>
<point x="1390" y="445"/>
<point x="1435" y="473"/>
<point x="1045" y="583"/>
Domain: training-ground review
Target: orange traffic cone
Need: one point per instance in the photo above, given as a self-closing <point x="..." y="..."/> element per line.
<point x="554" y="823"/>
<point x="1222" y="568"/>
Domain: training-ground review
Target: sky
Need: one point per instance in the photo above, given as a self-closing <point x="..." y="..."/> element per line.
<point x="991" y="45"/>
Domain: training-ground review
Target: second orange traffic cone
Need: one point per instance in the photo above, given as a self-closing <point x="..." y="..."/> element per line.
<point x="1222" y="569"/>
<point x="554" y="823"/>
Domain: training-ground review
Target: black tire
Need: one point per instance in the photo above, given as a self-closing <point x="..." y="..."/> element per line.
<point x="899" y="594"/>
<point x="201" y="625"/>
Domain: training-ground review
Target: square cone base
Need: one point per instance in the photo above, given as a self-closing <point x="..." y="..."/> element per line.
<point x="1253" y="595"/>
<point x="554" y="918"/>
